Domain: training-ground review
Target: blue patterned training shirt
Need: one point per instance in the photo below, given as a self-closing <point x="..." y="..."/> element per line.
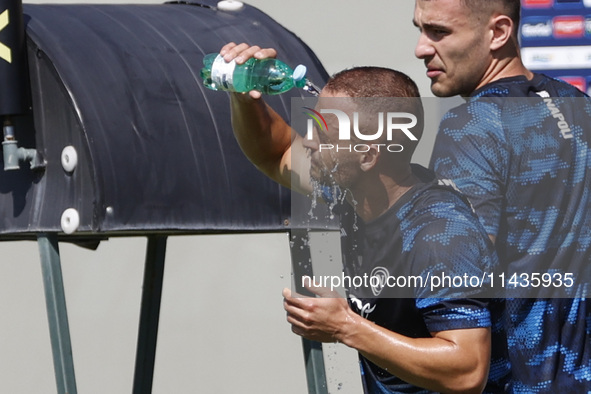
<point x="519" y="150"/>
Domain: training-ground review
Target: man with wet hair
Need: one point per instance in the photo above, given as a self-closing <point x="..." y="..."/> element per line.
<point x="398" y="220"/>
<point x="524" y="164"/>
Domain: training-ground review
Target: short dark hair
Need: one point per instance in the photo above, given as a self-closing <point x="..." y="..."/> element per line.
<point x="381" y="89"/>
<point x="369" y="81"/>
<point x="511" y="8"/>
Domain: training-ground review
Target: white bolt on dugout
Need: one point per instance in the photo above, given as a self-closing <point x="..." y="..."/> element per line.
<point x="69" y="158"/>
<point x="230" y="5"/>
<point x="70" y="220"/>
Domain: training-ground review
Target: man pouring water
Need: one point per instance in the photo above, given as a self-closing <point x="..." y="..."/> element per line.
<point x="398" y="221"/>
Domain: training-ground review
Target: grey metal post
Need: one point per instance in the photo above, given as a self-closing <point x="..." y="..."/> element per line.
<point x="150" y="314"/>
<point x="301" y="262"/>
<point x="57" y="313"/>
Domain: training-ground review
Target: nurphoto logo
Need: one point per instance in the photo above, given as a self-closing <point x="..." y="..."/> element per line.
<point x="387" y="123"/>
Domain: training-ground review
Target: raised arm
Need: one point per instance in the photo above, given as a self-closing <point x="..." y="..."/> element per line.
<point x="264" y="136"/>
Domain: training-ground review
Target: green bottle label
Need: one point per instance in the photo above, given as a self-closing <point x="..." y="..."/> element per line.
<point x="222" y="73"/>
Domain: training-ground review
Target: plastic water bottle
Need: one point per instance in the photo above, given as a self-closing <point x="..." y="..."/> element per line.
<point x="268" y="76"/>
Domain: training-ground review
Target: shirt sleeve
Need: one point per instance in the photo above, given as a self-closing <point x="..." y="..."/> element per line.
<point x="471" y="150"/>
<point x="453" y="314"/>
<point x="454" y="255"/>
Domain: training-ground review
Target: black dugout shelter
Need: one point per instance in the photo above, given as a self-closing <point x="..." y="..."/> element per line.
<point x="109" y="132"/>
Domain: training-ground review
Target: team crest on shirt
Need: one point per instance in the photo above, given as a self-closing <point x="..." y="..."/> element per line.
<point x="381" y="275"/>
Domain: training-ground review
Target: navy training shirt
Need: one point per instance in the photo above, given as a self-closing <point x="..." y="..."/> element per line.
<point x="430" y="231"/>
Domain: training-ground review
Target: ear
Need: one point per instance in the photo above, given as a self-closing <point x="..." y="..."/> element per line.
<point x="369" y="159"/>
<point x="502" y="29"/>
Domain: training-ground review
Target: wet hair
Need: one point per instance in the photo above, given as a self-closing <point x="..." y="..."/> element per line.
<point x="511" y="8"/>
<point x="381" y="89"/>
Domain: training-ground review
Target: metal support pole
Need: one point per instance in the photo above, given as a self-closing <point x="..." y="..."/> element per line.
<point x="301" y="262"/>
<point x="150" y="314"/>
<point x="57" y="314"/>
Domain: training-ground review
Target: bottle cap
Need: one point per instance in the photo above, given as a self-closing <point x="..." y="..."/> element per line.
<point x="299" y="72"/>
